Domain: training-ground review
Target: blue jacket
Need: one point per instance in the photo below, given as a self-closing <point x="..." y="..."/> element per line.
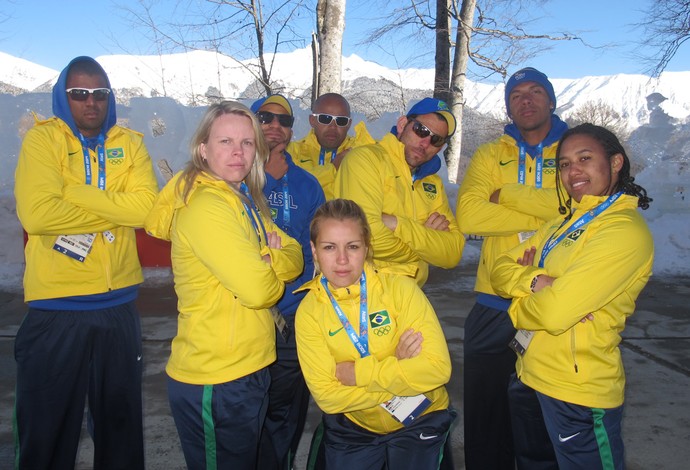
<point x="305" y="196"/>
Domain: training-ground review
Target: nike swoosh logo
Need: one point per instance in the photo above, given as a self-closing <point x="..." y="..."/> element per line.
<point x="502" y="163"/>
<point x="72" y="153"/>
<point x="567" y="438"/>
<point x="304" y="161"/>
<point x="424" y="437"/>
<point x="333" y="333"/>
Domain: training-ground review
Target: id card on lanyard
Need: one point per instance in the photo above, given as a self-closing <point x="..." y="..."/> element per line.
<point x="522" y="339"/>
<point x="322" y="156"/>
<point x="78" y="246"/>
<point x="402" y="409"/>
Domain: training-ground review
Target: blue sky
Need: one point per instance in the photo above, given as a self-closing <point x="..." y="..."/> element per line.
<point x="51" y="32"/>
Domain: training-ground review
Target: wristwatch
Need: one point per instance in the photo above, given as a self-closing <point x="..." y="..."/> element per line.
<point x="533" y="284"/>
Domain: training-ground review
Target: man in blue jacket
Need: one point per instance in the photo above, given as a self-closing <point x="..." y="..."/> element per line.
<point x="293" y="195"/>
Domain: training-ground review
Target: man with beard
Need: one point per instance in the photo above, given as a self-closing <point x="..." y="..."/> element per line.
<point x="507" y="193"/>
<point x="293" y="196"/>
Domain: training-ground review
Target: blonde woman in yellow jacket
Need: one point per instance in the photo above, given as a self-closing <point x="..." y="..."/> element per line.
<point x="230" y="264"/>
<point x="369" y="342"/>
<point x="574" y="283"/>
<point x="327" y="143"/>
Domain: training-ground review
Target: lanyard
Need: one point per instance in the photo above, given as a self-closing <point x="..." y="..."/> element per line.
<point x="322" y="156"/>
<point x="585" y="219"/>
<point x="100" y="150"/>
<point x="540" y="165"/>
<point x="253" y="213"/>
<point x="360" y="342"/>
<point x="286" y="202"/>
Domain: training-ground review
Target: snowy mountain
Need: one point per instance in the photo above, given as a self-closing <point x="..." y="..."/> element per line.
<point x="194" y="77"/>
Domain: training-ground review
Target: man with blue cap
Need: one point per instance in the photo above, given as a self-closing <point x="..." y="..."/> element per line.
<point x="293" y="196"/>
<point x="507" y="193"/>
<point x="83" y="184"/>
<point x="395" y="182"/>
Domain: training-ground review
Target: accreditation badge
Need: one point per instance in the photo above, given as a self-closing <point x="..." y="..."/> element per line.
<point x="406" y="409"/>
<point x="521" y="341"/>
<point x="75" y="246"/>
<point x="525" y="235"/>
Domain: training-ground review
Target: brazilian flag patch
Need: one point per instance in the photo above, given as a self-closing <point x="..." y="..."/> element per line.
<point x="379" y="319"/>
<point x="430" y="190"/>
<point x="274" y="213"/>
<point x="576" y="234"/>
<point x="114" y="153"/>
<point x="549" y="166"/>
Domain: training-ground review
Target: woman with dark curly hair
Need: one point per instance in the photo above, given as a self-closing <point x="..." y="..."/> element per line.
<point x="573" y="285"/>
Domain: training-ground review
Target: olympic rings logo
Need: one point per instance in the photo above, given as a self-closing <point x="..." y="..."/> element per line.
<point x="382" y="330"/>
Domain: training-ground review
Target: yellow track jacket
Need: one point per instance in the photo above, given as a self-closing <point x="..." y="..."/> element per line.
<point x="305" y="153"/>
<point x="53" y="199"/>
<point x="599" y="269"/>
<point x="521" y="208"/>
<point x="225" y="330"/>
<point x="322" y="342"/>
<point x="378" y="178"/>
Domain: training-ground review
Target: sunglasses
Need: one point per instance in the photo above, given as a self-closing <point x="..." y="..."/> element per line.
<point x="267" y="117"/>
<point x="82" y="94"/>
<point x="326" y="119"/>
<point x="422" y="132"/>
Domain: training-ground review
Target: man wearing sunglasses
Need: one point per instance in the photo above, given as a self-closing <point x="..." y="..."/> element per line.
<point x="83" y="184"/>
<point x="507" y="193"/>
<point x="327" y="143"/>
<point x="293" y="196"/>
<point x="395" y="183"/>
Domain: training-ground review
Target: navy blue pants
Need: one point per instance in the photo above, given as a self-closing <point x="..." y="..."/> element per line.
<point x="488" y="365"/>
<point x="63" y="357"/>
<point x="580" y="437"/>
<point x="219" y="425"/>
<point x="288" y="402"/>
<point x="417" y="446"/>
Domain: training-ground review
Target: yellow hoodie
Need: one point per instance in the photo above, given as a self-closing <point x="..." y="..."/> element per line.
<point x="224" y="288"/>
<point x="599" y="269"/>
<point x="53" y="199"/>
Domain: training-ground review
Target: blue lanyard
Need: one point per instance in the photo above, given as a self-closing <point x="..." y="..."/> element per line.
<point x="100" y="150"/>
<point x="322" y="156"/>
<point x="360" y="342"/>
<point x="585" y="219"/>
<point x="522" y="164"/>
<point x="253" y="213"/>
<point x="286" y="202"/>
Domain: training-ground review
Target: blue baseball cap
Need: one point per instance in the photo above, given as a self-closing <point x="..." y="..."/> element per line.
<point x="529" y="74"/>
<point x="432" y="105"/>
<point x="278" y="99"/>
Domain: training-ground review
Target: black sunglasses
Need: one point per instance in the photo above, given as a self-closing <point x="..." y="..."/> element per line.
<point x="326" y="119"/>
<point x="267" y="117"/>
<point x="422" y="131"/>
<point x="82" y="94"/>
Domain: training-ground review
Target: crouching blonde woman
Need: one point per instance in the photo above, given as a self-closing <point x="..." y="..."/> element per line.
<point x="230" y="264"/>
<point x="372" y="353"/>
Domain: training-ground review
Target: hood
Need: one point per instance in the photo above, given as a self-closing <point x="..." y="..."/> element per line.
<point x="61" y="105"/>
<point x="558" y="127"/>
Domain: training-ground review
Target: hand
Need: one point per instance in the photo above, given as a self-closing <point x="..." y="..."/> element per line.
<point x="273" y="241"/>
<point x="437" y="221"/>
<point x="345" y="372"/>
<point x="409" y="344"/>
<point x="494" y="197"/>
<point x="339" y="158"/>
<point x="528" y="258"/>
<point x="390" y="221"/>
<point x="589" y="317"/>
<point x="276" y="166"/>
<point x="543" y="281"/>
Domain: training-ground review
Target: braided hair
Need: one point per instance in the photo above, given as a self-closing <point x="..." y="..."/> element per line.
<point x="612" y="146"/>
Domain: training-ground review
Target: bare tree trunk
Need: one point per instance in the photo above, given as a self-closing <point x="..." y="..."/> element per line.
<point x="315" y="68"/>
<point x="442" y="60"/>
<point x="462" y="53"/>
<point x="330" y="44"/>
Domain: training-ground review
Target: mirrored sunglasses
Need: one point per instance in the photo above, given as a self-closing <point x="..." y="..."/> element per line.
<point x="82" y="94"/>
<point x="422" y="131"/>
<point x="326" y="119"/>
<point x="267" y="117"/>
